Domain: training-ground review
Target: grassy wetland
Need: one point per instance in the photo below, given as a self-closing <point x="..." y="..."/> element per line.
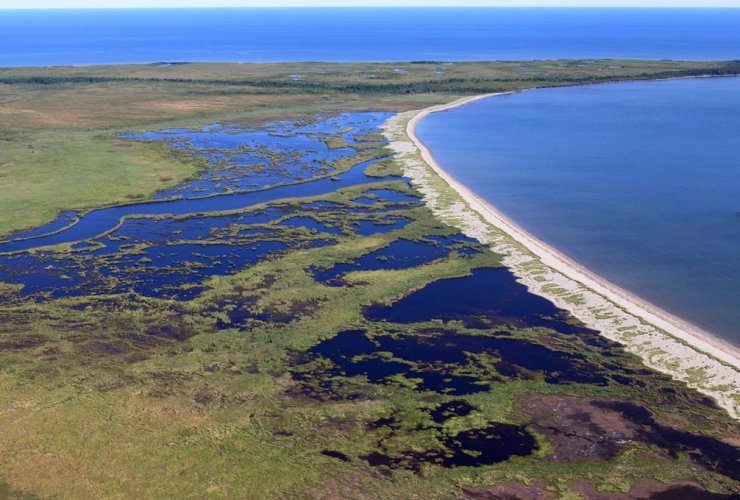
<point x="215" y="282"/>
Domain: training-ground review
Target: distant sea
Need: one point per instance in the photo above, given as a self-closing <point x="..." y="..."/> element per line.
<point x="639" y="182"/>
<point x="57" y="37"/>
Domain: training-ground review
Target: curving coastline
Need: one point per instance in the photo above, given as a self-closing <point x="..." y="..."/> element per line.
<point x="676" y="347"/>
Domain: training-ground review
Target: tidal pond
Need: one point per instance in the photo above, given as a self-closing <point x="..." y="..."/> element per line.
<point x="488" y="297"/>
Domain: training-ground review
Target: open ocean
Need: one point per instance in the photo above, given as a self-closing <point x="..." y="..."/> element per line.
<point x="638" y="182"/>
<point x="42" y="38"/>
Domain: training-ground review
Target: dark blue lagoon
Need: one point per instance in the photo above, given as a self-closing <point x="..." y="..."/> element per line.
<point x="53" y="37"/>
<point x="168" y="247"/>
<point x="639" y="182"/>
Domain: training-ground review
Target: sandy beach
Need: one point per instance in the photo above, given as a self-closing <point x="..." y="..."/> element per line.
<point x="664" y="341"/>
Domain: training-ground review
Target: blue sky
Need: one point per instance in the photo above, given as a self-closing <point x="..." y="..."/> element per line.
<point x="13" y="4"/>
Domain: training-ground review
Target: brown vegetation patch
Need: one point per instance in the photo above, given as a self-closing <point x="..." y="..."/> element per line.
<point x="343" y="486"/>
<point x="577" y="430"/>
<point x="297" y="309"/>
<point x="329" y="390"/>
<point x="140" y="341"/>
<point x="171" y="332"/>
<point x="102" y="348"/>
<point x="507" y="491"/>
<point x="340" y="425"/>
<point x="207" y="395"/>
<point x="19" y="342"/>
<point x="168" y="383"/>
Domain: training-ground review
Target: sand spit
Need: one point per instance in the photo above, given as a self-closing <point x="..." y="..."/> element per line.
<point x="663" y="341"/>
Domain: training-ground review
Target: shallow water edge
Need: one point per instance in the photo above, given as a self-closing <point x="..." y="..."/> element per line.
<point x="664" y="342"/>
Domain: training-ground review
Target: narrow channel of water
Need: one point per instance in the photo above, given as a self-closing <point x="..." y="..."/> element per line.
<point x="99" y="221"/>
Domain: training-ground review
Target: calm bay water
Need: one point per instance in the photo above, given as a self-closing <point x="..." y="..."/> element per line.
<point x="639" y="182"/>
<point x="40" y="38"/>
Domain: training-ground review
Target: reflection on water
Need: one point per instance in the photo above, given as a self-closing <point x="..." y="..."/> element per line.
<point x="489" y="296"/>
<point x="401" y="254"/>
<point x="168" y="248"/>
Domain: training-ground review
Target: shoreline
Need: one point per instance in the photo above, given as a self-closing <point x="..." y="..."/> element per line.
<point x="673" y="325"/>
<point x="704" y="345"/>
